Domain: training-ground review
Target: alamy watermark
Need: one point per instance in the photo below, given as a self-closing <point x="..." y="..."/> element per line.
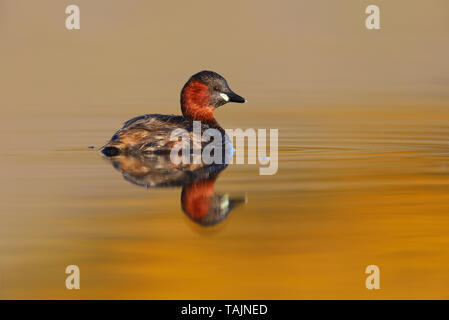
<point x="72" y="22"/>
<point x="220" y="150"/>
<point x="372" y="22"/>
<point x="373" y="280"/>
<point x="73" y="280"/>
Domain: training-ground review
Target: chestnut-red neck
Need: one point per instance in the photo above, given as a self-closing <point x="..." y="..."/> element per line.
<point x="195" y="102"/>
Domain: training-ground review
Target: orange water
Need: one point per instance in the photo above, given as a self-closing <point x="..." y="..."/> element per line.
<point x="345" y="196"/>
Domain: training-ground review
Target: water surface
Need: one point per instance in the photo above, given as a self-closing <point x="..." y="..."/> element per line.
<point x="352" y="189"/>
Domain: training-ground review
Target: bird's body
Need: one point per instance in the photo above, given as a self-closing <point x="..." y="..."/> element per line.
<point x="150" y="133"/>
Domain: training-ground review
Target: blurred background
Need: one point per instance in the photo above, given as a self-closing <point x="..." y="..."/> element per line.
<point x="295" y="53"/>
<point x="363" y="125"/>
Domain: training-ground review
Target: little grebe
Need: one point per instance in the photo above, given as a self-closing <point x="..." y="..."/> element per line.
<point x="150" y="133"/>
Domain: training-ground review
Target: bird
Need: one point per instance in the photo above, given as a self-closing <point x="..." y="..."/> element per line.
<point x="204" y="92"/>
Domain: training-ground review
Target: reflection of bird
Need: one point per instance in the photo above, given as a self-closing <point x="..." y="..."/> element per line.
<point x="204" y="206"/>
<point x="150" y="133"/>
<point x="198" y="198"/>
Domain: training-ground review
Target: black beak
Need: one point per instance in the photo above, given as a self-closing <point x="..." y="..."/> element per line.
<point x="234" y="97"/>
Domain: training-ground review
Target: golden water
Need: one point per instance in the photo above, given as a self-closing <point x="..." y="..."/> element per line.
<point x="345" y="196"/>
<point x="363" y="152"/>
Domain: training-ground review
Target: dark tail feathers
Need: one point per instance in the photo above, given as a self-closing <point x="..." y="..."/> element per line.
<point x="110" y="151"/>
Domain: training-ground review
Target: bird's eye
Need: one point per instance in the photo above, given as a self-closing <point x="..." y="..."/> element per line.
<point x="215" y="88"/>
